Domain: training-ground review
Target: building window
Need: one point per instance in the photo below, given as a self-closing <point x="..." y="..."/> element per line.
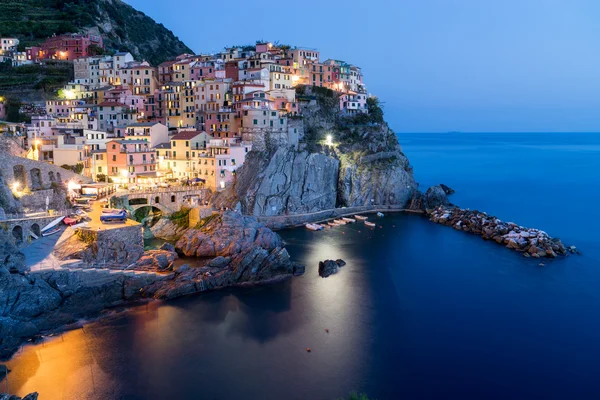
<point x="173" y="199"/>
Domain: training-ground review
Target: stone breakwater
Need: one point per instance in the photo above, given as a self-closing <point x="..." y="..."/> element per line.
<point x="528" y="241"/>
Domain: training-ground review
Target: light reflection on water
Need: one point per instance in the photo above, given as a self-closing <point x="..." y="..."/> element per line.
<point x="211" y="337"/>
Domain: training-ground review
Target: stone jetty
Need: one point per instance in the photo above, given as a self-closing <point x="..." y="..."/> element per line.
<point x="528" y="241"/>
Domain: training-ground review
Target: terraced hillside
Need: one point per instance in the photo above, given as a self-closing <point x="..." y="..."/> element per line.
<point x="122" y="26"/>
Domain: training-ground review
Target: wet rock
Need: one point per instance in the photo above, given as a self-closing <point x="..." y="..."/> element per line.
<point x="298" y="269"/>
<point x="330" y="267"/>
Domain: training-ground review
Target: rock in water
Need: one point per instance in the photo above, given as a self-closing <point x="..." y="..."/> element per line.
<point x="448" y="190"/>
<point x="435" y="197"/>
<point x="330" y="267"/>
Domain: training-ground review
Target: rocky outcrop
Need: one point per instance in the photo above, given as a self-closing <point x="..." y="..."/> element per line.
<point x="227" y="234"/>
<point x="167" y="230"/>
<point x="531" y="242"/>
<point x="434" y="197"/>
<point x="251" y="265"/>
<point x="244" y="251"/>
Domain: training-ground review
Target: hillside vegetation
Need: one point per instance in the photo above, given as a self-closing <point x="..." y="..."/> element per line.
<point x="122" y="27"/>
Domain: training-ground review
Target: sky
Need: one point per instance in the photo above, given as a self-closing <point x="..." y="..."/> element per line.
<point x="437" y="65"/>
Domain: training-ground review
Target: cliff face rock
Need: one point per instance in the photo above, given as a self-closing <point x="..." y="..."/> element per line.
<point x="11" y="259"/>
<point x="287" y="181"/>
<point x="363" y="165"/>
<point x="225" y="235"/>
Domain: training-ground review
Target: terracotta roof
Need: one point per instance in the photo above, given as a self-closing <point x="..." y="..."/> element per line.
<point x="186" y="135"/>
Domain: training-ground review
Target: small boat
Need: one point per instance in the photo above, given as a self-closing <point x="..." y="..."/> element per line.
<point x="340" y="222"/>
<point x="325" y="225"/>
<point x="116" y="217"/>
<point x="80" y="225"/>
<point x="371" y="224"/>
<point x="70" y="221"/>
<point x="80" y="212"/>
<point x="51" y="231"/>
<point x="330" y="223"/>
<point x="52" y="225"/>
<point x="313" y="227"/>
<point x="350" y="220"/>
<point x="33" y="235"/>
<point x="380" y="214"/>
<point x="110" y="211"/>
<point x="361" y="217"/>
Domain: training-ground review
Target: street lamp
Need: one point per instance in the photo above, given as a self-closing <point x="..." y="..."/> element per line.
<point x="329" y="140"/>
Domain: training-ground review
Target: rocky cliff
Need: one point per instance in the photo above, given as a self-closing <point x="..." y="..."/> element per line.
<point x="363" y="165"/>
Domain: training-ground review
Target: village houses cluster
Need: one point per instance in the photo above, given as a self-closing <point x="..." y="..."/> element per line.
<point x="193" y="118"/>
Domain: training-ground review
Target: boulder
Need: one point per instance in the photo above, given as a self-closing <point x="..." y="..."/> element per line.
<point x="298" y="269"/>
<point x="435" y="197"/>
<point x="167" y="247"/>
<point x="330" y="267"/>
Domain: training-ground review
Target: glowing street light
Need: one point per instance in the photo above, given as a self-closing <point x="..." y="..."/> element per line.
<point x="15" y="186"/>
<point x="329" y="140"/>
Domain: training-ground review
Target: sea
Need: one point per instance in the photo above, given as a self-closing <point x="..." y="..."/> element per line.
<point x="420" y="311"/>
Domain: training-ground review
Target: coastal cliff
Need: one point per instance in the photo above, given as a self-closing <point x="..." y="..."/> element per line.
<point x="335" y="161"/>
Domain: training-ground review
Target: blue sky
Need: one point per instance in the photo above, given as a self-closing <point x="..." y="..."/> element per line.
<point x="465" y="65"/>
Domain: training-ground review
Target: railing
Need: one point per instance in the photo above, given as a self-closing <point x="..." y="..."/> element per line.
<point x="35" y="215"/>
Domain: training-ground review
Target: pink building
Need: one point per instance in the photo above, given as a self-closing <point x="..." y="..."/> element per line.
<point x="203" y="70"/>
<point x="130" y="160"/>
<point x="124" y="96"/>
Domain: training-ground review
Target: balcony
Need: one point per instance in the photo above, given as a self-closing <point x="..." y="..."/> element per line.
<point x="141" y="162"/>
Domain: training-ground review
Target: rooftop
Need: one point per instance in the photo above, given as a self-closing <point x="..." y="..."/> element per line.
<point x="186" y="135"/>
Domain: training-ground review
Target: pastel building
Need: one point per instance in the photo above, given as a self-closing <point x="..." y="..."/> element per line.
<point x="223" y="157"/>
<point x="130" y="160"/>
<point x="152" y="132"/>
<point x="112" y="115"/>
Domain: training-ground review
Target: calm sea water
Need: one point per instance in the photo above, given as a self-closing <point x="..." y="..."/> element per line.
<point x="421" y="311"/>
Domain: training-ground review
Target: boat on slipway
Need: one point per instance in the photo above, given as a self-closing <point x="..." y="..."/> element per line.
<point x="370" y="224"/>
<point x="361" y="217"/>
<point x="52" y="227"/>
<point x="348" y="220"/>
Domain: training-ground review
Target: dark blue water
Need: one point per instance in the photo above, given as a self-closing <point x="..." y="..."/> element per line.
<point x="421" y="311"/>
